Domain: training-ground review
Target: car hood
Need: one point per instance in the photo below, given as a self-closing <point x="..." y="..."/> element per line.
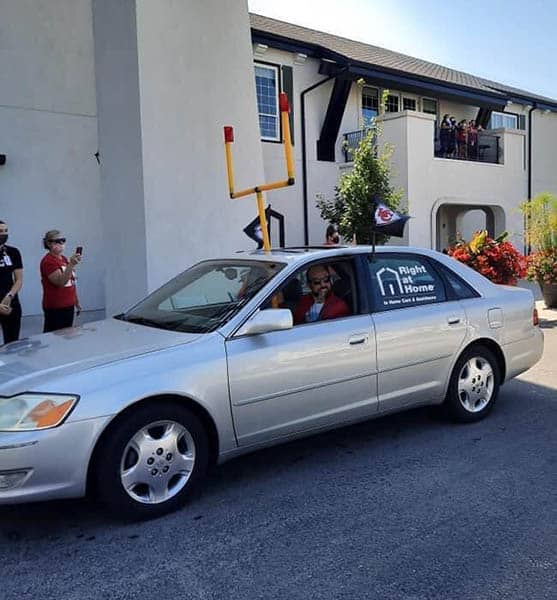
<point x="31" y="361"/>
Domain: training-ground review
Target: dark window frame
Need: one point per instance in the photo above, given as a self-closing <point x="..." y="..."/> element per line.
<point x="378" y="98"/>
<point x="278" y="68"/>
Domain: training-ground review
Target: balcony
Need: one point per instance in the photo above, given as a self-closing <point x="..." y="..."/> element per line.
<point x="492" y="181"/>
<point x="487" y="149"/>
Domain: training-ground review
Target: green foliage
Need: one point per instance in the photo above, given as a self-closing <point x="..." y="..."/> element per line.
<point x="541" y="221"/>
<point x="370" y="178"/>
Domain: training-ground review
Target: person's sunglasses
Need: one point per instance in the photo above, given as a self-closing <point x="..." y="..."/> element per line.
<point x="58" y="241"/>
<point x="326" y="279"/>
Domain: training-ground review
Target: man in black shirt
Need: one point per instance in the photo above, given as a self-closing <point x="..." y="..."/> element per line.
<point x="11" y="280"/>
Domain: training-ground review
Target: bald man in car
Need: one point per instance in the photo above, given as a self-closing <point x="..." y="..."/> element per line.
<point x="321" y="303"/>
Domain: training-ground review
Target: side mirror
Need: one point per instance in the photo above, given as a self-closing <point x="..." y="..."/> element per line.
<point x="267" y="320"/>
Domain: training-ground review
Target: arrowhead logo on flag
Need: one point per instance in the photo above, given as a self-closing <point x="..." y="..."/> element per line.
<point x="388" y="221"/>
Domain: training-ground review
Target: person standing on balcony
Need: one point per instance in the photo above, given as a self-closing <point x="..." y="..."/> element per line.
<point x="462" y="138"/>
<point x="451" y="151"/>
<point x="444" y="133"/>
<point x="472" y="140"/>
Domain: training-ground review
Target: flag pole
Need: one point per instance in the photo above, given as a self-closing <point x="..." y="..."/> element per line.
<point x="373" y="209"/>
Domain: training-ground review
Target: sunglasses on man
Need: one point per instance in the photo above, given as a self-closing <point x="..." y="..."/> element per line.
<point x="320" y="280"/>
<point x="58" y="241"/>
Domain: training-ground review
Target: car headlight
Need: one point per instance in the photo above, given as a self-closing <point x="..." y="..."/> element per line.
<point x="30" y="411"/>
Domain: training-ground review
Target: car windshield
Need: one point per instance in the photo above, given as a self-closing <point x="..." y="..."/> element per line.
<point x="204" y="297"/>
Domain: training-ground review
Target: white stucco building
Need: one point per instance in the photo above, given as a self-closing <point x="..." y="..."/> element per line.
<point x="147" y="87"/>
<point x="341" y="81"/>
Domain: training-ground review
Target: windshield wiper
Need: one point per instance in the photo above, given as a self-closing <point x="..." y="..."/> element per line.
<point x="178" y="325"/>
<point x="143" y="321"/>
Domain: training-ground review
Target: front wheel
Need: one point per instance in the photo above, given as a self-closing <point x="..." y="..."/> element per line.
<point x="150" y="461"/>
<point x="474" y="385"/>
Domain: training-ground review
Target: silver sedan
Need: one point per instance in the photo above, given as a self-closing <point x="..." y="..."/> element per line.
<point x="240" y="353"/>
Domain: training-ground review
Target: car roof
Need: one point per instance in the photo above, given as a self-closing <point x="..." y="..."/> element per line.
<point x="295" y="254"/>
<point x="303" y="254"/>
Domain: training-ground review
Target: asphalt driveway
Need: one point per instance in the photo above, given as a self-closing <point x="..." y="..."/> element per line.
<point x="402" y="507"/>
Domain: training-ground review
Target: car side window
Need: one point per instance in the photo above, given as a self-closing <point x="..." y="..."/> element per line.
<point x="460" y="288"/>
<point x="403" y="280"/>
<point x="321" y="291"/>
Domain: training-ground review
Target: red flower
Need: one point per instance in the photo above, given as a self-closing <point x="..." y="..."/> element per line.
<point x="498" y="260"/>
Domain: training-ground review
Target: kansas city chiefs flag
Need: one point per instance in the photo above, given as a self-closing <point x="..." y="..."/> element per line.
<point x="254" y="232"/>
<point x="388" y="221"/>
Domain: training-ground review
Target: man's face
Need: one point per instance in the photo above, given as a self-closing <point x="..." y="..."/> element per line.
<point x="319" y="282"/>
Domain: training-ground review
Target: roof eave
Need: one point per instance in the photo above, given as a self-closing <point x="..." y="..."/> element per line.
<point x="497" y="99"/>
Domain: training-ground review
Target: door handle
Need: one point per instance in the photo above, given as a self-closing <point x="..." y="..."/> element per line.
<point x="358" y="338"/>
<point x="453" y="320"/>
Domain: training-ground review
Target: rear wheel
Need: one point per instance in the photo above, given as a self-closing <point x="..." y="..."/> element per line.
<point x="474" y="385"/>
<point x="151" y="460"/>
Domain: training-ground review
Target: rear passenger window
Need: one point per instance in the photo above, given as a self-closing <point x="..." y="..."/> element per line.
<point x="401" y="281"/>
<point x="461" y="289"/>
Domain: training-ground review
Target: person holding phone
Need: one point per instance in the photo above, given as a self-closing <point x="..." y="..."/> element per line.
<point x="11" y="281"/>
<point x="60" y="299"/>
<point x="321" y="303"/>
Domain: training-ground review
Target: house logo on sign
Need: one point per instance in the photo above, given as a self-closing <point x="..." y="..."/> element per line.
<point x="402" y="286"/>
<point x="391" y="286"/>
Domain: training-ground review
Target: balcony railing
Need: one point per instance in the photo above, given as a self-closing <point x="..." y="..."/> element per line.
<point x="351" y="141"/>
<point x="485" y="149"/>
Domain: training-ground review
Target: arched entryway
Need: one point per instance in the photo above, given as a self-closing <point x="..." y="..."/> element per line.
<point x="460" y="221"/>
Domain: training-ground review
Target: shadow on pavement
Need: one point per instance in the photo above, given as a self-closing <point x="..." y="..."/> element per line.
<point x="81" y="519"/>
<point x="548" y="323"/>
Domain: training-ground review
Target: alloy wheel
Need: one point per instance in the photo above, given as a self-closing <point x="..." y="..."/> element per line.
<point x="157" y="462"/>
<point x="476" y="383"/>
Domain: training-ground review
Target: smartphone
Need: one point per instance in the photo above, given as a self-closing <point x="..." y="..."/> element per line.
<point x="79" y="250"/>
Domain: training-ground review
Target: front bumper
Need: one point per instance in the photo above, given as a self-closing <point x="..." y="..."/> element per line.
<point x="53" y="463"/>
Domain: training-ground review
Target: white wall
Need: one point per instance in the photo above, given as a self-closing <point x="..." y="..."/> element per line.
<point x="119" y="125"/>
<point x="544" y="152"/>
<point x="48" y="127"/>
<point x="195" y="76"/>
<point x="170" y="75"/>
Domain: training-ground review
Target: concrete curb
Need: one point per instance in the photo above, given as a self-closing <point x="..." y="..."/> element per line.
<point x="546" y="314"/>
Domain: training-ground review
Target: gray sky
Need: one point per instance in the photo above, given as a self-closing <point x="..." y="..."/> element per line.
<point x="512" y="41"/>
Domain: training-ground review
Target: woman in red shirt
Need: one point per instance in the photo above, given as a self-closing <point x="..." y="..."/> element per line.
<point x="58" y="280"/>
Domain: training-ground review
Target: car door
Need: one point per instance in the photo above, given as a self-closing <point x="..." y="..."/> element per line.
<point x="313" y="375"/>
<point x="419" y="329"/>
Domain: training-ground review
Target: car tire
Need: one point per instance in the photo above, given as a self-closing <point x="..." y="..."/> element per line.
<point x="473" y="386"/>
<point x="150" y="461"/>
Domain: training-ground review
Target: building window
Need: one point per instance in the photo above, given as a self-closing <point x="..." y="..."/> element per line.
<point x="267" y="89"/>
<point x="392" y="103"/>
<point x="499" y="120"/>
<point x="409" y="104"/>
<point x="429" y="106"/>
<point x="370" y="104"/>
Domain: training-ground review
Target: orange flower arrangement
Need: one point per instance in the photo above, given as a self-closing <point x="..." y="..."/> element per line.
<point x="497" y="259"/>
